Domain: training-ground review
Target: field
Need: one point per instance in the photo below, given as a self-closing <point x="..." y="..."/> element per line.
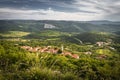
<point x="14" y="34"/>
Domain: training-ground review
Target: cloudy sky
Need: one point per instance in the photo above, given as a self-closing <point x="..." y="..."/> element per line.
<point x="82" y="10"/>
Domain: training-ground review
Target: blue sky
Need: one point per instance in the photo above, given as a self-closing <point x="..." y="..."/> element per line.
<point x="82" y="10"/>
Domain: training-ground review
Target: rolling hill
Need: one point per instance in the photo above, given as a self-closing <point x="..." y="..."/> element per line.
<point x="64" y="26"/>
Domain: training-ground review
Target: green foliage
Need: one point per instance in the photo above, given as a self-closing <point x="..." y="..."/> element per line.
<point x="59" y="51"/>
<point x="117" y="47"/>
<point x="116" y="39"/>
<point x="19" y="64"/>
<point x="92" y="37"/>
<point x="2" y="50"/>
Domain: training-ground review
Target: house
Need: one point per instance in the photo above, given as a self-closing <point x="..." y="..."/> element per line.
<point x="111" y="48"/>
<point x="70" y="54"/>
<point x="49" y="26"/>
<point x="100" y="43"/>
<point x="102" y="56"/>
<point x="88" y="52"/>
<point x="67" y="54"/>
<point x="45" y="49"/>
<point x="25" y="47"/>
<point x="75" y="56"/>
<point x="35" y="49"/>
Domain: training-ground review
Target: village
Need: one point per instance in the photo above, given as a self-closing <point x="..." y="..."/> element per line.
<point x="55" y="50"/>
<point x="51" y="50"/>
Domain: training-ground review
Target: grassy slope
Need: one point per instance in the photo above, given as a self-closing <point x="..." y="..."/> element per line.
<point x="14" y="34"/>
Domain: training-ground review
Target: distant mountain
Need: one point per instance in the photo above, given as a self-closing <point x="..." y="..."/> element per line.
<point x="101" y="22"/>
<point x="63" y="26"/>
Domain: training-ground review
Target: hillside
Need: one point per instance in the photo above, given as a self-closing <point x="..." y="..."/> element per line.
<point x="64" y="26"/>
<point x="59" y="50"/>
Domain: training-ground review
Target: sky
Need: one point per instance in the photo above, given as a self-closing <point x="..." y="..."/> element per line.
<point x="77" y="10"/>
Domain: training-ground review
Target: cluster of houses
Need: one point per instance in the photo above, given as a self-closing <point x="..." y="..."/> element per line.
<point x="101" y="44"/>
<point x="53" y="50"/>
<point x="49" y="49"/>
<point x="102" y="56"/>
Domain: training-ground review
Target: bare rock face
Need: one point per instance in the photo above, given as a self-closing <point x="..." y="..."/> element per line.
<point x="49" y="26"/>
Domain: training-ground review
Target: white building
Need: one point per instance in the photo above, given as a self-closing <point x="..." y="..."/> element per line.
<point x="49" y="26"/>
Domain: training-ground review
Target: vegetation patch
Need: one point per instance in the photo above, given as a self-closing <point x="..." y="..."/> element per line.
<point x="14" y="34"/>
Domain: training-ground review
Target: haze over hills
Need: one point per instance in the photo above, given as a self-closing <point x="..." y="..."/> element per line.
<point x="64" y="26"/>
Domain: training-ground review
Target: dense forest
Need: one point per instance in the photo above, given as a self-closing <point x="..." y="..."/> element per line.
<point x="62" y="50"/>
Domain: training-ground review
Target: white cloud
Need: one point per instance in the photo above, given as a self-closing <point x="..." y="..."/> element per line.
<point x="101" y="10"/>
<point x="42" y="14"/>
<point x="62" y="10"/>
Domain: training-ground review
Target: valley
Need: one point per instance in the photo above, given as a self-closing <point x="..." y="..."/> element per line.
<point x="59" y="50"/>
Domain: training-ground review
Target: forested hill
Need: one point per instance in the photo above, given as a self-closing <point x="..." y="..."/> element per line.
<point x="64" y="26"/>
